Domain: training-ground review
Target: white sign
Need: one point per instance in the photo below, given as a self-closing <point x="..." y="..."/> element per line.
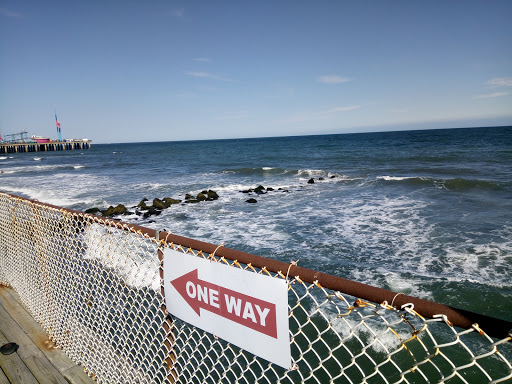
<point x="244" y="308"/>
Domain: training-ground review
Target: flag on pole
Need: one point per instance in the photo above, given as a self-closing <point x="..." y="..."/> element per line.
<point x="58" y="127"/>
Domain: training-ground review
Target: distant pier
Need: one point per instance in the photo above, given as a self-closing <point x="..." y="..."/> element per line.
<point x="45" y="147"/>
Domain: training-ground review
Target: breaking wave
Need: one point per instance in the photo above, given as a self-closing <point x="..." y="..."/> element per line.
<point x="457" y="184"/>
<point x="40" y="169"/>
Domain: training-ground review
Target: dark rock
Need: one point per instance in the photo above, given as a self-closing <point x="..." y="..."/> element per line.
<point x="260" y="189"/>
<point x="320" y="178"/>
<point x="246" y="191"/>
<point x="120" y="209"/>
<point x="142" y="205"/>
<point x="152" y="211"/>
<point x="168" y="201"/>
<point x="212" y="195"/>
<point x="201" y="196"/>
<point x="333" y="177"/>
<point x="93" y="211"/>
<point x="269" y="189"/>
<point x="189" y="197"/>
<point x="251" y="201"/>
<point x="311" y="181"/>
<point x="158" y="204"/>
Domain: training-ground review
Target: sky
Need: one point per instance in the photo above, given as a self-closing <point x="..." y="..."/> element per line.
<point x="133" y="71"/>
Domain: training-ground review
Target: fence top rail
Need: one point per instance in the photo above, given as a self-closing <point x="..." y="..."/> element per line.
<point x="494" y="327"/>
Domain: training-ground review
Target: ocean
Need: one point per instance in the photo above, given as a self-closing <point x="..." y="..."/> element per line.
<point x="426" y="213"/>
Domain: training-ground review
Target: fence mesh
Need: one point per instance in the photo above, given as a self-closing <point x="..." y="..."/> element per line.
<point x="95" y="286"/>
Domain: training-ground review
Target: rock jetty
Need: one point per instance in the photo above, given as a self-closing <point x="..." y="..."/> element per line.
<point x="156" y="207"/>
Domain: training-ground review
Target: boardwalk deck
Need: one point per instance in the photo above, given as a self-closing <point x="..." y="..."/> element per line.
<point x="36" y="360"/>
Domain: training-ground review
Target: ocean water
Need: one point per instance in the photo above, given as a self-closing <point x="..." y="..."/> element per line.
<point x="426" y="213"/>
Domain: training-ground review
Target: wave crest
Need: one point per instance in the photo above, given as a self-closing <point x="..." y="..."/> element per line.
<point x="457" y="184"/>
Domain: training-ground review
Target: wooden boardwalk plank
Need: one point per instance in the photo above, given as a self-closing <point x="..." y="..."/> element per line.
<point x="36" y="361"/>
<point x="12" y="304"/>
<point x="3" y="378"/>
<point x="16" y="371"/>
<point x="13" y="367"/>
<point x="76" y="375"/>
<point x="28" y="354"/>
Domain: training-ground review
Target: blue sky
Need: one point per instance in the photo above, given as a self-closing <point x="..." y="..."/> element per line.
<point x="124" y="71"/>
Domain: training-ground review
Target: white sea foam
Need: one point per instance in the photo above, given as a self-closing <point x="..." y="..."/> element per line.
<point x="37" y="158"/>
<point x="337" y="176"/>
<point x="152" y="186"/>
<point x="408" y="285"/>
<point x="311" y="172"/>
<point x="487" y="264"/>
<point x="44" y="168"/>
<point x="214" y="222"/>
<point x="64" y="189"/>
<point x="370" y="230"/>
<point x="394" y="178"/>
<point x="375" y="333"/>
<point x="57" y="197"/>
<point x="39" y="195"/>
<point x="138" y="269"/>
<point x="3" y="157"/>
<point x="233" y="190"/>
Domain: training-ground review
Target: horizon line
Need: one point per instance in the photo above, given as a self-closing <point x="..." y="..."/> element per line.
<point x="305" y="135"/>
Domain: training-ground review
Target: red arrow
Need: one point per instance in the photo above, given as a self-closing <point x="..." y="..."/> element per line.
<point x="243" y="309"/>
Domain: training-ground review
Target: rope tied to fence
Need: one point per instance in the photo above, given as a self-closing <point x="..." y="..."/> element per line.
<point x="292" y="263"/>
<point x="392" y="301"/>
<point x="212" y="255"/>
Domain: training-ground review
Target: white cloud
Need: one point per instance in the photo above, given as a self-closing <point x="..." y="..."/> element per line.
<point x="491" y="95"/>
<point x="344" y="109"/>
<point x="333" y="79"/>
<point x="199" y="74"/>
<point x="207" y="76"/>
<point x="501" y="82"/>
<point x="7" y="13"/>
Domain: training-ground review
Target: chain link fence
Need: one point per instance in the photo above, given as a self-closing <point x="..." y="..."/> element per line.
<point x="95" y="285"/>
